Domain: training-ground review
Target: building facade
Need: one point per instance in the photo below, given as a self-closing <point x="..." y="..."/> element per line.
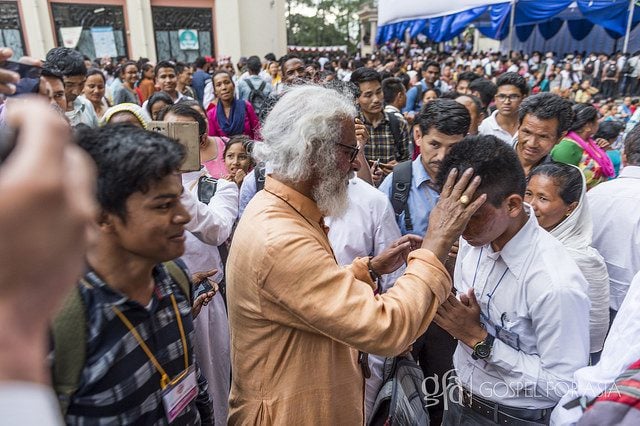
<point x="155" y="29"/>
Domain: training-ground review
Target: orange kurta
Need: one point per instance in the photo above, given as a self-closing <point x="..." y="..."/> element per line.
<point x="298" y="319"/>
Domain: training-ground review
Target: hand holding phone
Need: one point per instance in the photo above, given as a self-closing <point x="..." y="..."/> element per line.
<point x="8" y="78"/>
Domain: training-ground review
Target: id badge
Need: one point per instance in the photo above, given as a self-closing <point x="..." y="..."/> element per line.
<point x="509" y="337"/>
<point x="179" y="393"/>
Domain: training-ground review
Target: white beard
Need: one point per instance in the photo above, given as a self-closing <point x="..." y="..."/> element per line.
<point x="331" y="194"/>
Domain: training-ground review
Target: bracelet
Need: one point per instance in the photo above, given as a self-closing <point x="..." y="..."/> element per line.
<point x="374" y="275"/>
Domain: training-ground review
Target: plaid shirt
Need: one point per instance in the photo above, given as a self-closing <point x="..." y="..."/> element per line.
<point x="382" y="146"/>
<point x="119" y="384"/>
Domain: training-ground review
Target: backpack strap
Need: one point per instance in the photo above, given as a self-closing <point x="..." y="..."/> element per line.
<point x="69" y="332"/>
<point x="262" y="86"/>
<point x="418" y="98"/>
<point x="246" y="80"/>
<point x="394" y="125"/>
<point x="400" y="187"/>
<point x="180" y="276"/>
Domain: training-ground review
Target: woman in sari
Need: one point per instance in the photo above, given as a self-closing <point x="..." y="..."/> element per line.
<point x="556" y="193"/>
<point x="579" y="149"/>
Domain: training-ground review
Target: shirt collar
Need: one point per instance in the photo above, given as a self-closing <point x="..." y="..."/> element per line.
<point x="78" y="105"/>
<point x="113" y="297"/>
<point x="516" y="252"/>
<point x="419" y="173"/>
<point x="630" y="172"/>
<point x="302" y="204"/>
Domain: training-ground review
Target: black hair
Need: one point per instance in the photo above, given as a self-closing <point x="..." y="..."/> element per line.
<point x="53" y="72"/>
<point x="158" y="97"/>
<point x="254" y="65"/>
<point x="475" y="100"/>
<point x="468" y="76"/>
<point x="271" y="57"/>
<point x="446" y="116"/>
<point x="547" y="106"/>
<point x="68" y="61"/>
<point x="405" y="79"/>
<point x="200" y="62"/>
<point x="124" y="66"/>
<point x="485" y="88"/>
<point x="164" y="64"/>
<point x="362" y="75"/>
<point x="180" y="67"/>
<point x="182" y="110"/>
<point x="129" y="160"/>
<point x="582" y="115"/>
<point x="491" y="159"/>
<point x="632" y="147"/>
<point x="428" y="64"/>
<point x="567" y="178"/>
<point x="96" y="71"/>
<point x="390" y="88"/>
<point x="513" y="79"/>
<point x="609" y="130"/>
<point x="218" y="72"/>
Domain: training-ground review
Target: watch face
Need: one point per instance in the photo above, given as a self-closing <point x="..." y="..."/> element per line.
<point x="483" y="350"/>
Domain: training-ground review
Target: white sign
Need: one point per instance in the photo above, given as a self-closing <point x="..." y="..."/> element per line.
<point x="70" y="36"/>
<point x="188" y="39"/>
<point x="104" y="42"/>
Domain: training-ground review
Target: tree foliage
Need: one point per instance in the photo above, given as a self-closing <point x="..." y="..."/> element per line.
<point x="335" y="22"/>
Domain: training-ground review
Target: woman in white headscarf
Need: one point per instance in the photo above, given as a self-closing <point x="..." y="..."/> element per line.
<point x="126" y="113"/>
<point x="556" y="193"/>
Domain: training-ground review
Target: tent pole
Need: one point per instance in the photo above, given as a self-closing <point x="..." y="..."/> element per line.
<point x="629" y="22"/>
<point x="512" y="28"/>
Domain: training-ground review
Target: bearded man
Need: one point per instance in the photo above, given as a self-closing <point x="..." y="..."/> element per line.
<point x="298" y="320"/>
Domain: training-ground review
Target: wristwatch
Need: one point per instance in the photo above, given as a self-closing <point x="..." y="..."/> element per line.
<point x="482" y="350"/>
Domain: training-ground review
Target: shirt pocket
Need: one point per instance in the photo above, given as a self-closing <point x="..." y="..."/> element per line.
<point x="519" y="325"/>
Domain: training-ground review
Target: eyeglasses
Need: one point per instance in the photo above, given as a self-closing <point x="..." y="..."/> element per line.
<point x="352" y="148"/>
<point x="512" y="98"/>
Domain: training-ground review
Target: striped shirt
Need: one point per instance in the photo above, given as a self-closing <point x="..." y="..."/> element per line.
<point x="382" y="145"/>
<point x="119" y="384"/>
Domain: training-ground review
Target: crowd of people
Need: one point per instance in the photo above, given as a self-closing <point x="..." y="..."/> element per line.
<point x="469" y="214"/>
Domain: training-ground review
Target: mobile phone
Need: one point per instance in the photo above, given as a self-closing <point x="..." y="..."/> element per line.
<point x="185" y="133"/>
<point x="204" y="286"/>
<point x="23" y="70"/>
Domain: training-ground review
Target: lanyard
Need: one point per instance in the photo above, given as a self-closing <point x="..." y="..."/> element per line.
<point x="164" y="380"/>
<point x="489" y="295"/>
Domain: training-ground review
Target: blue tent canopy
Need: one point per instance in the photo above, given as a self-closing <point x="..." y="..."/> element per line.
<point x="493" y="18"/>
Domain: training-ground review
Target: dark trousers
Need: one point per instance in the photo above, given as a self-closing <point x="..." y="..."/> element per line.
<point x="609" y="88"/>
<point x="434" y="353"/>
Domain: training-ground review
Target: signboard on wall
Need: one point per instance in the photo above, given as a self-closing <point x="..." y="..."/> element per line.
<point x="70" y="36"/>
<point x="104" y="42"/>
<point x="188" y="39"/>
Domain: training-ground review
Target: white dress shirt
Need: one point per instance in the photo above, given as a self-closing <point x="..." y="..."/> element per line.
<point x="490" y="126"/>
<point x="534" y="290"/>
<point x="28" y="404"/>
<point x="210" y="226"/>
<point x="366" y="229"/>
<point x="616" y="229"/>
<point x="621" y="349"/>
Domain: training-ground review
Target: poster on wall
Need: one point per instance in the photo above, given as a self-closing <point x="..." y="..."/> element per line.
<point x="104" y="42"/>
<point x="70" y="36"/>
<point x="188" y="39"/>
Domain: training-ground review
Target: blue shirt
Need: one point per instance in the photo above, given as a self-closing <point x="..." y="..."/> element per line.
<point x="422" y="198"/>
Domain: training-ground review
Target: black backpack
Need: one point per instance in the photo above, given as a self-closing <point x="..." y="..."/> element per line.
<point x="256" y="96"/>
<point x="589" y="67"/>
<point x="400" y="187"/>
<point x="612" y="69"/>
<point x="627" y="68"/>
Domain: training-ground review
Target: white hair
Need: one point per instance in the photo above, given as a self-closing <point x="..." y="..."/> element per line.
<point x="304" y="121"/>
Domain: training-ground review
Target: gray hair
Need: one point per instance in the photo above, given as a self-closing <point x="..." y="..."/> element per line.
<point x="632" y="146"/>
<point x="301" y="124"/>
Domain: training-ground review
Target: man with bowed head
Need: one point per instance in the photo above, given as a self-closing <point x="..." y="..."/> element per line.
<point x="288" y="296"/>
